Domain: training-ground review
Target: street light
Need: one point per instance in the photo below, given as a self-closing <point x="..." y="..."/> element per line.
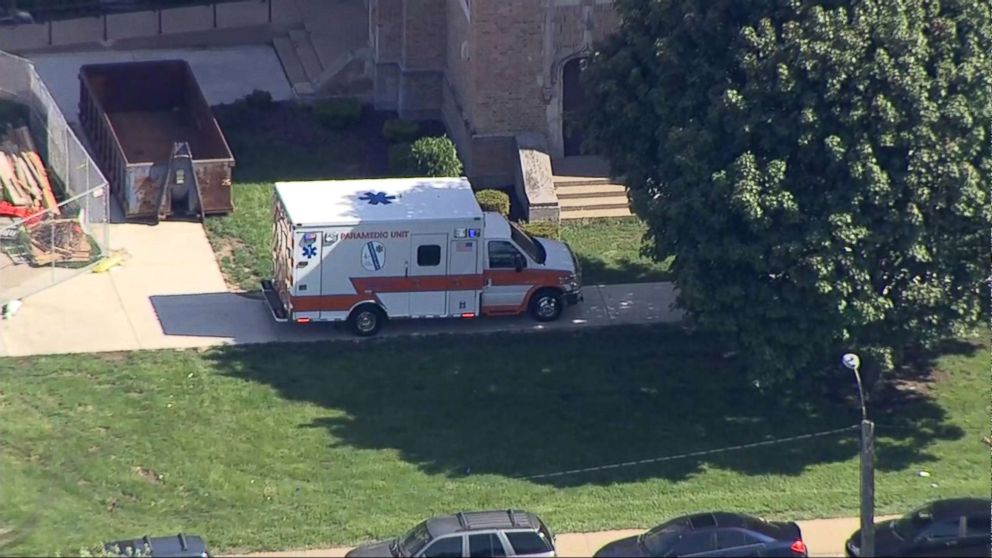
<point x="853" y="363"/>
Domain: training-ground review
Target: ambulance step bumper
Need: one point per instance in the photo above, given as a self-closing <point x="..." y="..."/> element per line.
<point x="571" y="299"/>
<point x="274" y="303"/>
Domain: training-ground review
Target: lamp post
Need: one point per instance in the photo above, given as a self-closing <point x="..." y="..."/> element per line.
<point x="853" y="363"/>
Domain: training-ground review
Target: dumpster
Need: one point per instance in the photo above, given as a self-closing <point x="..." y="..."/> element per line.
<point x="156" y="139"/>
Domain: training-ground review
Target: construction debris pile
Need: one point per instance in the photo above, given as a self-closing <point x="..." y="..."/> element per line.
<point x="27" y="192"/>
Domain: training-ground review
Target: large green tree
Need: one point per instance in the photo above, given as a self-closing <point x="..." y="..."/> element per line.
<point x="819" y="169"/>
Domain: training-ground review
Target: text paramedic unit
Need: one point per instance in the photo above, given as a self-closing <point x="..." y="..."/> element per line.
<point x="364" y="251"/>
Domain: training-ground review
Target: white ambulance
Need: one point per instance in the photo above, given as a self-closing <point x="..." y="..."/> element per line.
<point x="364" y="251"/>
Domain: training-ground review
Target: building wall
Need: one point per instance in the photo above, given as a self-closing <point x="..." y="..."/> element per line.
<point x="509" y="42"/>
<point x="498" y="66"/>
<point x="424" y="39"/>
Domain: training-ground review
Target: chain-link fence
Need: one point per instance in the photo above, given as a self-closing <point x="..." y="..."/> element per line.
<point x="51" y="244"/>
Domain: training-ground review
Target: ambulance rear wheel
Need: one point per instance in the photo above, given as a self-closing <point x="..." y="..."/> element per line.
<point x="366" y="320"/>
<point x="546" y="305"/>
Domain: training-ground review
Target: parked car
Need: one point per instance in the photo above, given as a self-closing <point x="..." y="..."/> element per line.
<point x="957" y="527"/>
<point x="483" y="534"/>
<point x="712" y="534"/>
<point x="178" y="546"/>
<point x="18" y="17"/>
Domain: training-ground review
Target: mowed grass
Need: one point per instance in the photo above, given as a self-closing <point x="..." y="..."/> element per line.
<point x="291" y="446"/>
<point x="608" y="250"/>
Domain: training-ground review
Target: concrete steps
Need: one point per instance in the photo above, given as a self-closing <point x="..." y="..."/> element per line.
<point x="292" y="65"/>
<point x="583" y="190"/>
<point x="616" y="212"/>
<point x="586" y="191"/>
<point x="321" y="55"/>
<point x="307" y="54"/>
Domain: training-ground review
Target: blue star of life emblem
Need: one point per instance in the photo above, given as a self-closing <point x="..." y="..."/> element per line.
<point x="376" y="198"/>
<point x="309" y="251"/>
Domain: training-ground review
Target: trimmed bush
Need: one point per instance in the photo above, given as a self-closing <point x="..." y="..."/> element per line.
<point x="435" y="156"/>
<point x="401" y="160"/>
<point x="338" y="114"/>
<point x="545" y="229"/>
<point x="258" y="100"/>
<point x="494" y="200"/>
<point x="400" y="131"/>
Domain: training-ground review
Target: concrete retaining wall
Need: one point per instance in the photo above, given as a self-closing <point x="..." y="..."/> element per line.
<point x="150" y="23"/>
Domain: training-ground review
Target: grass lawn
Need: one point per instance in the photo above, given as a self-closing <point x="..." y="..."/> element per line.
<point x="290" y="446"/>
<point x="609" y="251"/>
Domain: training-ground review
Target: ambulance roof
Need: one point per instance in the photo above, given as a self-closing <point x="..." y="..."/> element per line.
<point x="347" y="202"/>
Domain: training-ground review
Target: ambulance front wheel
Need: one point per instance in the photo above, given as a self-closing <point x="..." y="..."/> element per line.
<point x="366" y="320"/>
<point x="546" y="305"/>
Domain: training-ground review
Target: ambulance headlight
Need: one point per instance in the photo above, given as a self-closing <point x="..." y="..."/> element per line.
<point x="570" y="283"/>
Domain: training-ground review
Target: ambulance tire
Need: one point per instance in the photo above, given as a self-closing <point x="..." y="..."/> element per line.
<point x="546" y="305"/>
<point x="366" y="320"/>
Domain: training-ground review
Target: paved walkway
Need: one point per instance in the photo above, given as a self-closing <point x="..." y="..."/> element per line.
<point x="224" y="74"/>
<point x="170" y="294"/>
<point x="823" y="537"/>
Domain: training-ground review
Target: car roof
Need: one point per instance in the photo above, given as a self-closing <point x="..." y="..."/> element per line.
<point x="954" y="507"/>
<point x="481" y="520"/>
<point x="174" y="546"/>
<point x="717" y="519"/>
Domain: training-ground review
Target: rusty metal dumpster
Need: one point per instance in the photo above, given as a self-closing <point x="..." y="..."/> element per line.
<point x="156" y="139"/>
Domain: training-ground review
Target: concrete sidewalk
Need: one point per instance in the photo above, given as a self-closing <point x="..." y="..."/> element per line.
<point x="823" y="537"/>
<point x="170" y="294"/>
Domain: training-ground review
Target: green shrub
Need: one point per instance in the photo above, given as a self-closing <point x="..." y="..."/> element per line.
<point x="258" y="99"/>
<point x="435" y="156"/>
<point x="494" y="200"/>
<point x="338" y="114"/>
<point x="400" y="131"/>
<point x="401" y="160"/>
<point x="545" y="229"/>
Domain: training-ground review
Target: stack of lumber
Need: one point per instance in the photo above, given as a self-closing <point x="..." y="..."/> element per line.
<point x="27" y="194"/>
<point x="59" y="240"/>
<point x="24" y="182"/>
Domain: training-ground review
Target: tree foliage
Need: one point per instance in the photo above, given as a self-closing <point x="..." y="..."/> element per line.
<point x="820" y="169"/>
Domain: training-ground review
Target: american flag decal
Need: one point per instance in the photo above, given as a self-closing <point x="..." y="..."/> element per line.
<point x="463" y="247"/>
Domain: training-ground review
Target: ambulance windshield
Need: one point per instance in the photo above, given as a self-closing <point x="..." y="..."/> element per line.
<point x="528" y="244"/>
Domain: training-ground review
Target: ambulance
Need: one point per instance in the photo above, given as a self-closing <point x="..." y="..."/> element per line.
<point x="367" y="251"/>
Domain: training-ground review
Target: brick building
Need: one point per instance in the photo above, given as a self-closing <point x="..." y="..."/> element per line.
<point x="502" y="74"/>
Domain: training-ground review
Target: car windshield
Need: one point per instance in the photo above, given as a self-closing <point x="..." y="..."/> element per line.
<point x="907" y="526"/>
<point x="414" y="541"/>
<point x="528" y="244"/>
<point x="658" y="540"/>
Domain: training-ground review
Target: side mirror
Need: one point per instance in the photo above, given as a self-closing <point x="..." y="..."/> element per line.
<point x="519" y="262"/>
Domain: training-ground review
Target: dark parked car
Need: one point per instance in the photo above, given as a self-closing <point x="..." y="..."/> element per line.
<point x="958" y="527"/>
<point x="178" y="546"/>
<point x="484" y="534"/>
<point x="713" y="534"/>
<point x="15" y="18"/>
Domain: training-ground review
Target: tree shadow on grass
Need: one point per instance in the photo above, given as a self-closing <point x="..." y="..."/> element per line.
<point x="523" y="405"/>
<point x="598" y="272"/>
<point x="286" y="141"/>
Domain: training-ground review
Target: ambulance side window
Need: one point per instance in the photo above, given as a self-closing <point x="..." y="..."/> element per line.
<point x="503" y="255"/>
<point x="428" y="255"/>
